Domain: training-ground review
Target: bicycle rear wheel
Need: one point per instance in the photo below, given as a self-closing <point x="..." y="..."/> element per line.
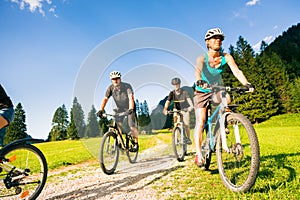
<point x="132" y="156"/>
<point x="179" y="145"/>
<point x="238" y="168"/>
<point x="109" y="153"/>
<point x="24" y="172"/>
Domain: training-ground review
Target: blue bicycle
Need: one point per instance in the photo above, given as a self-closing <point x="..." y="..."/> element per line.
<point x="233" y="138"/>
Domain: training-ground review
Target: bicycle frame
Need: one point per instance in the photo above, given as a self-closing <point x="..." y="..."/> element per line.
<point x="218" y="118"/>
<point x="178" y="122"/>
<point x="118" y="131"/>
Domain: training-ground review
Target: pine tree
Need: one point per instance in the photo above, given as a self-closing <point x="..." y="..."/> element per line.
<point x="78" y="115"/>
<point x="143" y="115"/>
<point x="145" y="108"/>
<point x="92" y="128"/>
<point x="263" y="46"/>
<point x="59" y="124"/>
<point x="17" y="128"/>
<point x="72" y="132"/>
<point x="103" y="127"/>
<point x="261" y="104"/>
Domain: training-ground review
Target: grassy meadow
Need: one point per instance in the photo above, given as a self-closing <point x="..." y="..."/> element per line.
<point x="278" y="176"/>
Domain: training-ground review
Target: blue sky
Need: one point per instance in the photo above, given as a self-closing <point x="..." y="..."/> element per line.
<point x="46" y="44"/>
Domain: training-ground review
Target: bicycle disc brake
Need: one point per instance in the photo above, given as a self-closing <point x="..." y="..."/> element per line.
<point x="238" y="151"/>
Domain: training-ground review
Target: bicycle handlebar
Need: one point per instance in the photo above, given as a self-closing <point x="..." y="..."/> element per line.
<point x="176" y="111"/>
<point x="104" y="115"/>
<point x="228" y="89"/>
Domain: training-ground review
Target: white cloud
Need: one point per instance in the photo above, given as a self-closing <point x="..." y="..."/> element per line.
<point x="34" y="5"/>
<point x="252" y="2"/>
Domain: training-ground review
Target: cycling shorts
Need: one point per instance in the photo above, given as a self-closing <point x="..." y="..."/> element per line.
<point x="132" y="120"/>
<point x="8" y="114"/>
<point x="203" y="100"/>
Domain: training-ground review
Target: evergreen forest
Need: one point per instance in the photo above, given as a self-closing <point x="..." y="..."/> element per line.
<point x="274" y="71"/>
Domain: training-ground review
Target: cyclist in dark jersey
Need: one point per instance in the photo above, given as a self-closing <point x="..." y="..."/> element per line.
<point x="183" y="102"/>
<point x="6" y="112"/>
<point x="209" y="69"/>
<point x="123" y="96"/>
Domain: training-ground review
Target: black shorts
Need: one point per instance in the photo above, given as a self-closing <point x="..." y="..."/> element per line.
<point x="131" y="119"/>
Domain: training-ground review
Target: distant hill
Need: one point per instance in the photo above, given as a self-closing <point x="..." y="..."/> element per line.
<point x="287" y="47"/>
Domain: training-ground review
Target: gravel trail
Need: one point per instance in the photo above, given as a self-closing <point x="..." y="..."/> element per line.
<point x="130" y="181"/>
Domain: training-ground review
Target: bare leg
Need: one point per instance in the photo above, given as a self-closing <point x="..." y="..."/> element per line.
<point x="134" y="133"/>
<point x="200" y="121"/>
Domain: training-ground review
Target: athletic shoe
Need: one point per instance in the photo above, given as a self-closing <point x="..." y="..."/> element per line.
<point x="199" y="161"/>
<point x="188" y="141"/>
<point x="135" y="148"/>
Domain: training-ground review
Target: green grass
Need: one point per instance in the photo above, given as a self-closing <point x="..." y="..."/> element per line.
<point x="278" y="176"/>
<point x="70" y="152"/>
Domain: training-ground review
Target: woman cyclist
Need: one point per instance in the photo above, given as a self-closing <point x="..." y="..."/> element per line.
<point x="209" y="68"/>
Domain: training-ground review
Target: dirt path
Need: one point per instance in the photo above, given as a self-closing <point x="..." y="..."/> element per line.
<point x="130" y="181"/>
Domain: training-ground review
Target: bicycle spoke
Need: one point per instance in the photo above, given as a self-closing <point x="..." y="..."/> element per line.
<point x="238" y="167"/>
<point x="109" y="153"/>
<point x="24" y="173"/>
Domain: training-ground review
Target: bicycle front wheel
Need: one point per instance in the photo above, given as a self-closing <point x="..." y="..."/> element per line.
<point x="23" y="172"/>
<point x="109" y="153"/>
<point x="238" y="168"/>
<point x="178" y="143"/>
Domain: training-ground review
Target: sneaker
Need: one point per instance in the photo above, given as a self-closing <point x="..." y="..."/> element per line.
<point x="199" y="161"/>
<point x="227" y="131"/>
<point x="135" y="148"/>
<point x="188" y="141"/>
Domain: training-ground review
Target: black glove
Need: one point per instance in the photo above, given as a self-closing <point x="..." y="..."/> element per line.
<point x="249" y="86"/>
<point x="200" y="82"/>
<point x="203" y="84"/>
<point x="99" y="113"/>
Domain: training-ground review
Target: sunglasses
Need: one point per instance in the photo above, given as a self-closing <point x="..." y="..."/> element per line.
<point x="218" y="37"/>
<point x="115" y="79"/>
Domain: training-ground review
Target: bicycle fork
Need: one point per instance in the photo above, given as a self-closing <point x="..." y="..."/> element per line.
<point x="223" y="133"/>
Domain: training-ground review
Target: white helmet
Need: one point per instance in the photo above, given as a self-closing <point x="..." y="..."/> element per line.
<point x="213" y="32"/>
<point x="115" y="74"/>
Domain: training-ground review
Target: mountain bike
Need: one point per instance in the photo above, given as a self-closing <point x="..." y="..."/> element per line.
<point x="23" y="170"/>
<point x="233" y="138"/>
<point x="114" y="140"/>
<point x="178" y="135"/>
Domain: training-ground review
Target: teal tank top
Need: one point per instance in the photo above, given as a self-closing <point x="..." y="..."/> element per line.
<point x="212" y="75"/>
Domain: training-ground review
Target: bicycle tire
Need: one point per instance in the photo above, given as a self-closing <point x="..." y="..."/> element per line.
<point x="26" y="176"/>
<point x="206" y="152"/>
<point x="132" y="156"/>
<point x="239" y="168"/>
<point x="109" y="153"/>
<point x="179" y="146"/>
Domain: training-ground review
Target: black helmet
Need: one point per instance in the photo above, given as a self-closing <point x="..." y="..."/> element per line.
<point x="175" y="81"/>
